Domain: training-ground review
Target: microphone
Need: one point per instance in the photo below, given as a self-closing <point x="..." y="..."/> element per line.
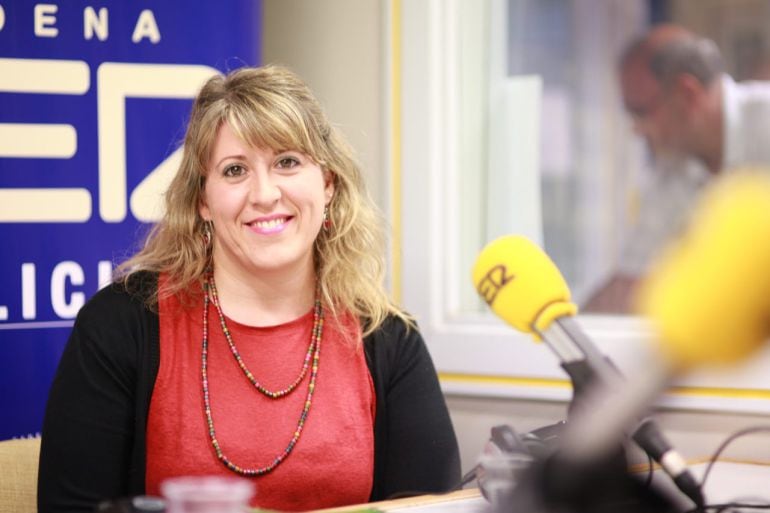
<point x="707" y="297"/>
<point x="524" y="287"/>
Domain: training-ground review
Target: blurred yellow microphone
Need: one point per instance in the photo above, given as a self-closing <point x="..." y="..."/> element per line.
<point x="707" y="298"/>
<point x="709" y="295"/>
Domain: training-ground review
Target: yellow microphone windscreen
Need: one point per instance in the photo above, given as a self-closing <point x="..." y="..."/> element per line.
<point x="521" y="284"/>
<point x="709" y="294"/>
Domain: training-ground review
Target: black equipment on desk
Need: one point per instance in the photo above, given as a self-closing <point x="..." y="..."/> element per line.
<point x="524" y="287"/>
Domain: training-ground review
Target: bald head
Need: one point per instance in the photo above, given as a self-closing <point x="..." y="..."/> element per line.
<point x="669" y="50"/>
<point x="671" y="87"/>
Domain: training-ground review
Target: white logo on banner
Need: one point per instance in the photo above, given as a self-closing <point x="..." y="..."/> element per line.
<point x="114" y="83"/>
<point x="93" y="23"/>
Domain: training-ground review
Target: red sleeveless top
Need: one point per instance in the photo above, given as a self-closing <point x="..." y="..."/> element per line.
<point x="331" y="465"/>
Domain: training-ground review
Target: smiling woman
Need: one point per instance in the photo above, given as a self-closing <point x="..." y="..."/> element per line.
<point x="267" y="220"/>
<point x="266" y="208"/>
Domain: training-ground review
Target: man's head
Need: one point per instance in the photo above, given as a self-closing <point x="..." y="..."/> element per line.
<point x="670" y="84"/>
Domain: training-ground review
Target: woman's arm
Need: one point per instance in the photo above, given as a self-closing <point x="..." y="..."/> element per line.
<point x="416" y="447"/>
<point x="89" y="422"/>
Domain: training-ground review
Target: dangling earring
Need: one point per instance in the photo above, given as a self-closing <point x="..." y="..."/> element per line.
<point x="207" y="227"/>
<point x="327" y="222"/>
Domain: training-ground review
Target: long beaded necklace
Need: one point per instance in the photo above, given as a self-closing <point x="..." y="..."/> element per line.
<point x="210" y="294"/>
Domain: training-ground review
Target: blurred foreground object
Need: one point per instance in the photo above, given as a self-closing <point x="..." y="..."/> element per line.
<point x="207" y="494"/>
<point x="708" y="299"/>
<point x="709" y="294"/>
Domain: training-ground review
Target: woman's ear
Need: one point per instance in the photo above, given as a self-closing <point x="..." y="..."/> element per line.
<point x="329" y="177"/>
<point x="203" y="210"/>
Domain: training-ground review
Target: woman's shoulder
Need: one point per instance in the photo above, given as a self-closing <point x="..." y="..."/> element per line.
<point x="124" y="297"/>
<point x="395" y="336"/>
<point x="116" y="325"/>
<point x="393" y="328"/>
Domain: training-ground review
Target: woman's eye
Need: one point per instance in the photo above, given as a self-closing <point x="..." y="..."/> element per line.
<point x="287" y="162"/>
<point x="234" y="170"/>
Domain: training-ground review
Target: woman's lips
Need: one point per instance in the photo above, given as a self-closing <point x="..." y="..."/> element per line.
<point x="269" y="226"/>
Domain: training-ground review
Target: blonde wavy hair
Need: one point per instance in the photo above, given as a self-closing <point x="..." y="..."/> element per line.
<point x="270" y="107"/>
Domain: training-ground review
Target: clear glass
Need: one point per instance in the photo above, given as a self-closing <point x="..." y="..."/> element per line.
<point x="592" y="174"/>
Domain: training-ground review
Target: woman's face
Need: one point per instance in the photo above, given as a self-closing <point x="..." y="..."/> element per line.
<point x="267" y="206"/>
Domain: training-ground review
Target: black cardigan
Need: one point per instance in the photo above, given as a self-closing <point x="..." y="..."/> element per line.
<point x="93" y="444"/>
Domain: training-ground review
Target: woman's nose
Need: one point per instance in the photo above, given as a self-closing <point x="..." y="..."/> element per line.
<point x="264" y="189"/>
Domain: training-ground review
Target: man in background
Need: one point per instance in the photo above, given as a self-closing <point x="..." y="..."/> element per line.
<point x="697" y="123"/>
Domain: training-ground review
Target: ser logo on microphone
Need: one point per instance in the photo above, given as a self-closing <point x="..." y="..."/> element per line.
<point x="492" y="282"/>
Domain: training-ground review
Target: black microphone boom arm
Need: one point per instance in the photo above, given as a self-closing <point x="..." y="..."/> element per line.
<point x="584" y="363"/>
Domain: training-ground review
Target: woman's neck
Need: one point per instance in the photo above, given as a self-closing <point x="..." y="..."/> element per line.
<point x="265" y="300"/>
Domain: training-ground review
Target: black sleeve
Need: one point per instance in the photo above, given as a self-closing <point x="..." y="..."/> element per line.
<point x="89" y="423"/>
<point x="415" y="445"/>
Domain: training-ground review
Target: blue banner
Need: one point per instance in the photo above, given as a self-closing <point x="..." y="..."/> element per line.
<point x="94" y="99"/>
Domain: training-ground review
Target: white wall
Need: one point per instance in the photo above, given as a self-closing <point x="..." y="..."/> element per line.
<point x="337" y="47"/>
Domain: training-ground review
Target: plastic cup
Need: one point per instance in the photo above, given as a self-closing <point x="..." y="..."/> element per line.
<point x="498" y="475"/>
<point x="207" y="494"/>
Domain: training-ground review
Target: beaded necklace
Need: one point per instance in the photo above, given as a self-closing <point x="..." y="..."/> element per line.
<point x="210" y="290"/>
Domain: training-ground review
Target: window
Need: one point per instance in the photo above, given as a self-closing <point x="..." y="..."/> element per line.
<point x="512" y="123"/>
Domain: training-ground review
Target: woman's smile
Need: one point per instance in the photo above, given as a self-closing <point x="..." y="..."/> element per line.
<point x="270" y="225"/>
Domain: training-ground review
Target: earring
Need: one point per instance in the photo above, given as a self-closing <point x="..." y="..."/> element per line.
<point x="207" y="228"/>
<point x="327" y="222"/>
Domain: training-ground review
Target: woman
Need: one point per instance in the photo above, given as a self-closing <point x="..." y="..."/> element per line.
<point x="204" y="357"/>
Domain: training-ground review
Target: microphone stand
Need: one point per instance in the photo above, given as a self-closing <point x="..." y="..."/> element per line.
<point x="553" y="483"/>
<point x="585" y="364"/>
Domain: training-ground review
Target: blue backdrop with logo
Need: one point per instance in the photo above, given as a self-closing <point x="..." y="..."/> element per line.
<point x="94" y="97"/>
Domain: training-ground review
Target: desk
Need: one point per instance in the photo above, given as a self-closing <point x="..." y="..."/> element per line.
<point x="462" y="501"/>
<point x="729" y="481"/>
<point x="735" y="481"/>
